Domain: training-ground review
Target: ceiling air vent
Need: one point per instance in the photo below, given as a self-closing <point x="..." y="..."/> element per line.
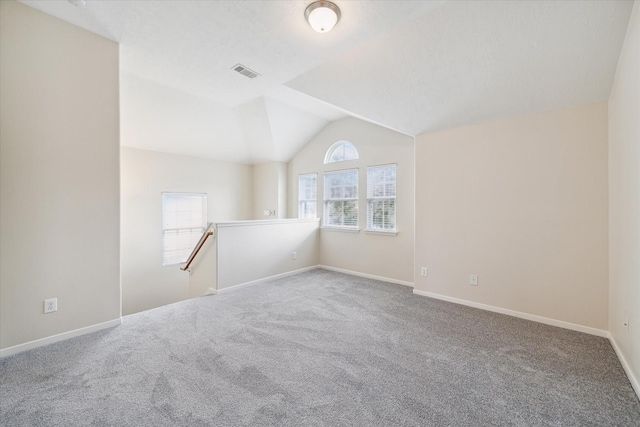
<point x="245" y="71"/>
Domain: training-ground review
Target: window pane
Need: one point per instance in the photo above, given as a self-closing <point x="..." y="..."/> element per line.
<point x="336" y="192"/>
<point x="307" y="209"/>
<point x="334" y="213"/>
<point x="341" y="198"/>
<point x="184" y="219"/>
<point x="350" y="213"/>
<point x="337" y="155"/>
<point x="350" y="152"/>
<point x="307" y="195"/>
<point x="381" y="215"/>
<point x="178" y="244"/>
<point x="350" y="192"/>
<point x="341" y="151"/>
<point x="381" y="197"/>
<point x="184" y="210"/>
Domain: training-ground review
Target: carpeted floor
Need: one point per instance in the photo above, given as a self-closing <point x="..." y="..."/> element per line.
<point x="320" y="349"/>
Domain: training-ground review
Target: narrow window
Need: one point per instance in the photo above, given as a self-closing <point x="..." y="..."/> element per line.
<point x="308" y="195"/>
<point x="341" y="199"/>
<point x="341" y="151"/>
<point x="184" y="219"/>
<point x="381" y="198"/>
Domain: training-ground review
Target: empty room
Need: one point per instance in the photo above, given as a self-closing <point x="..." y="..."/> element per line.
<point x="323" y="213"/>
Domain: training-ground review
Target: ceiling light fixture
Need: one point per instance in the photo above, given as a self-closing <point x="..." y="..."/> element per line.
<point x="322" y="15"/>
<point x="78" y="3"/>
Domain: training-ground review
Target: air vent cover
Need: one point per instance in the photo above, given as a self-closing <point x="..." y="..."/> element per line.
<point x="245" y="71"/>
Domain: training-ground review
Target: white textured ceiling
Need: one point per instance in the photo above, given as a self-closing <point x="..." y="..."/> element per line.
<point x="414" y="66"/>
<point x="468" y="62"/>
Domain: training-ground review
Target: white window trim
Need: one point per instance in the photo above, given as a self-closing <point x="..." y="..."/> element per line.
<point x="307" y="200"/>
<point x="340" y="229"/>
<point x="354" y="228"/>
<point x="164" y="230"/>
<point x="381" y="232"/>
<point x="329" y="153"/>
<point x="393" y="231"/>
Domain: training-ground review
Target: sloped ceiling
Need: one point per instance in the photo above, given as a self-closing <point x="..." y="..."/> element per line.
<point x="413" y="66"/>
<point x="468" y="62"/>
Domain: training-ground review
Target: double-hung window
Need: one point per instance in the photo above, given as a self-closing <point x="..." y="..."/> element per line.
<point x="381" y="198"/>
<point x="308" y="195"/>
<point x="341" y="199"/>
<point x="184" y="219"/>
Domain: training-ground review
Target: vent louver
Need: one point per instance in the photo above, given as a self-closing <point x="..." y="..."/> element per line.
<point x="245" y="71"/>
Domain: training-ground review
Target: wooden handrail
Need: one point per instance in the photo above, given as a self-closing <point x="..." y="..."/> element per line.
<point x="195" y="251"/>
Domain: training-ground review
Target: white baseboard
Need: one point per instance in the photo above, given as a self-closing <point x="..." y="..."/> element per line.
<point x="265" y="279"/>
<point x="368" y="276"/>
<point x="521" y="315"/>
<point x="59" y="337"/>
<point x="627" y="369"/>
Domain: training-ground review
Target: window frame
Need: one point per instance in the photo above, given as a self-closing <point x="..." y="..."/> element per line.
<point x="335" y="147"/>
<point x="301" y="200"/>
<point x="371" y="199"/>
<point x="194" y="232"/>
<point x="327" y="200"/>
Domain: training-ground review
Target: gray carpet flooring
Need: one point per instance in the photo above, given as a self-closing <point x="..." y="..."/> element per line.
<point x="320" y="349"/>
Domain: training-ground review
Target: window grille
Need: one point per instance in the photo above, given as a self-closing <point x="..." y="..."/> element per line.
<point x="341" y="199"/>
<point x="381" y="198"/>
<point x="184" y="219"/>
<point x="308" y="195"/>
<point x="341" y="151"/>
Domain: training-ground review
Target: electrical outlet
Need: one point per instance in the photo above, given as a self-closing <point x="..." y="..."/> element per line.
<point x="50" y="305"/>
<point x="294" y="255"/>
<point x="424" y="271"/>
<point x="473" y="280"/>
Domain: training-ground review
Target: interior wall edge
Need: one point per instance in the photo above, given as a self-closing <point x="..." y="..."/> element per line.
<point x="535" y="318"/>
<point x="9" y="351"/>
<point x="367" y="276"/>
<point x="625" y="365"/>
<point x="266" y="279"/>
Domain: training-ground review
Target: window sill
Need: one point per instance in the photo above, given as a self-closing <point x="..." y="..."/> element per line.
<point x="341" y="229"/>
<point x="173" y="264"/>
<point x="381" y="232"/>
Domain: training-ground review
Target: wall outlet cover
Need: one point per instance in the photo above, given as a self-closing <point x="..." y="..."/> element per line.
<point x="50" y="305"/>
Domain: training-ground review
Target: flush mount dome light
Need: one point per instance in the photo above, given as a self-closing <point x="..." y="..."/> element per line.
<point x="78" y="3"/>
<point x="322" y="15"/>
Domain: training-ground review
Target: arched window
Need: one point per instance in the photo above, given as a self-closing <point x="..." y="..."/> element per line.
<point x="340" y="152"/>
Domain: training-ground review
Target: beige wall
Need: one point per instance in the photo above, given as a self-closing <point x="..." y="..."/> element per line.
<point x="270" y="190"/>
<point x="624" y="201"/>
<point x="145" y="175"/>
<point x="522" y="203"/>
<point x="59" y="177"/>
<point x="384" y="256"/>
<point x="254" y="250"/>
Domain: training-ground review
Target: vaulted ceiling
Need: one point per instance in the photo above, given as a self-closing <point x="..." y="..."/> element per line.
<point x="413" y="66"/>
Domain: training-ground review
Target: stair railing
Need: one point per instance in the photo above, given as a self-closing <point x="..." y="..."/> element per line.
<point x="194" y="252"/>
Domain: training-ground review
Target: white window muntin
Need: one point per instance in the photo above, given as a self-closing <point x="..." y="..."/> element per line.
<point x="341" y="151"/>
<point x="308" y="195"/>
<point x="381" y="197"/>
<point x="184" y="219"/>
<point x="341" y="198"/>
